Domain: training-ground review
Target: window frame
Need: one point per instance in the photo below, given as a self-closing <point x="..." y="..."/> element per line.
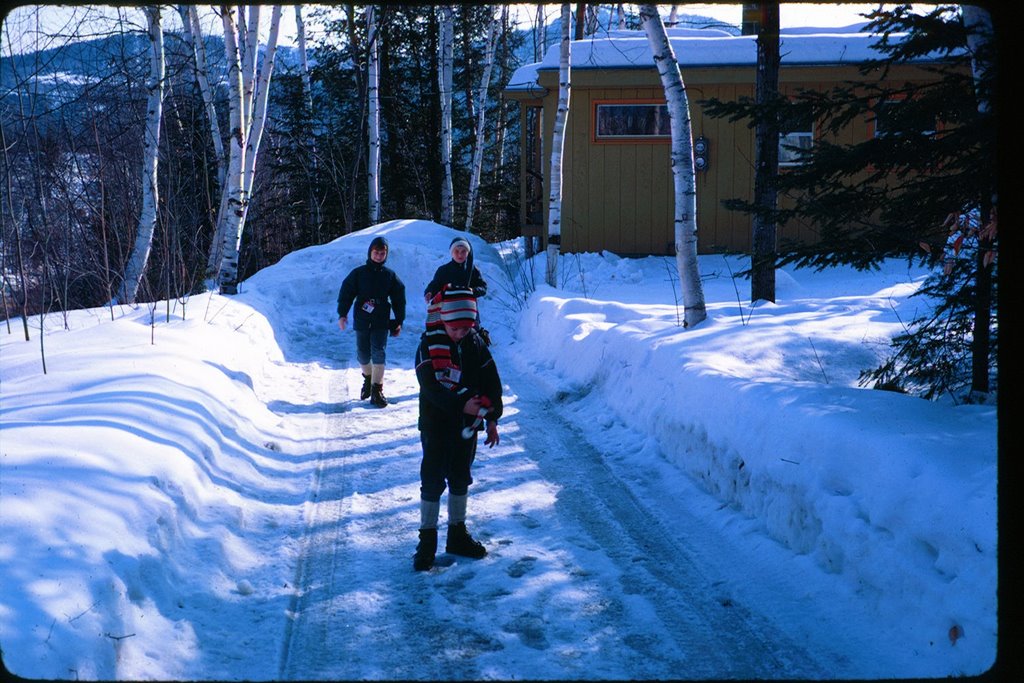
<point x="656" y="139"/>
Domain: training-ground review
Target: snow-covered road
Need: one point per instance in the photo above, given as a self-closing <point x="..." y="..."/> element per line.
<point x="584" y="577"/>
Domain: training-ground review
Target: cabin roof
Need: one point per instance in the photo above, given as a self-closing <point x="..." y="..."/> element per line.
<point x="710" y="48"/>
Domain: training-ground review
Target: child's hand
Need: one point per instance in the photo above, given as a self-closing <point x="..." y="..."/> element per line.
<point x="342" y="323"/>
<point x="474" y="405"/>
<point x="492" y="435"/>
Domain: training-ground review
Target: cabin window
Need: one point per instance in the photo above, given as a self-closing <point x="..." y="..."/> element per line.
<point x="632" y="121"/>
<point x="899" y="117"/>
<point x="795" y="140"/>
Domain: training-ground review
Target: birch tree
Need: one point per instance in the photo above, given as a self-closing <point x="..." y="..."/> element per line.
<point x="373" y="117"/>
<point x="481" y="111"/>
<point x="444" y="76"/>
<point x="766" y="157"/>
<point x="233" y="199"/>
<point x="151" y="150"/>
<point x="248" y="102"/>
<point x="540" y="34"/>
<point x="557" y="146"/>
<point x="307" y="88"/>
<point x="620" y="13"/>
<point x="193" y="37"/>
<point x="683" y="176"/>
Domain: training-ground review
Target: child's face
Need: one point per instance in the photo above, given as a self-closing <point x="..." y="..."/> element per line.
<point x="460" y="254"/>
<point x="378" y="254"/>
<point x="456" y="333"/>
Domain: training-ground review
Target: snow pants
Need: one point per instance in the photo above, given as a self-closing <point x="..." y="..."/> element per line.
<point x="447" y="458"/>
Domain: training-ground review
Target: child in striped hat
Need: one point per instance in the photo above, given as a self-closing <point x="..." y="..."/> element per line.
<point x="460" y="392"/>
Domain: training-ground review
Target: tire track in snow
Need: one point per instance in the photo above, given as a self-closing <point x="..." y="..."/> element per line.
<point x="543" y="603"/>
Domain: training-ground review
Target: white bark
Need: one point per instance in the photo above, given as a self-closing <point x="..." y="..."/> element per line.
<point x="229" y="220"/>
<point x="481" y="110"/>
<point x="673" y="15"/>
<point x="307" y="88"/>
<point x="621" y="14"/>
<point x="444" y="75"/>
<point x="261" y="96"/>
<point x="253" y="134"/>
<point x="540" y="34"/>
<point x="373" y="122"/>
<point x="151" y="151"/>
<point x="194" y="38"/>
<point x="683" y="175"/>
<point x="557" y="145"/>
<point x="249" y="48"/>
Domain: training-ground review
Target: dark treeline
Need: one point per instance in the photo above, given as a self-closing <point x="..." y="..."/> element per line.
<point x="72" y="120"/>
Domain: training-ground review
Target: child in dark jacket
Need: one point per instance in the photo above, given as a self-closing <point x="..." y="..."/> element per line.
<point x="376" y="291"/>
<point x="460" y="272"/>
<point x="460" y="392"/>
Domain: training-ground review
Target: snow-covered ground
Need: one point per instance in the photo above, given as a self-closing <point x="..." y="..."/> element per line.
<point x="202" y="495"/>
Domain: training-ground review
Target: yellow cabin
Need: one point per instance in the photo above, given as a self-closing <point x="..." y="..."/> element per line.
<point x="617" y="189"/>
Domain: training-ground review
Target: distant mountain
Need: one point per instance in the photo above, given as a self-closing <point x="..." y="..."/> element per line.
<point x="90" y="60"/>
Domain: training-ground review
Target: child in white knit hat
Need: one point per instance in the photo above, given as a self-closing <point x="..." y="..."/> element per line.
<point x="460" y="272"/>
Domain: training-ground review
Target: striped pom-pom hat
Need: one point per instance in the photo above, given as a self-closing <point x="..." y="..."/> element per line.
<point x="457" y="307"/>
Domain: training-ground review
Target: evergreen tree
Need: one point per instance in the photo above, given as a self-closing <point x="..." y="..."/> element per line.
<point x="931" y="166"/>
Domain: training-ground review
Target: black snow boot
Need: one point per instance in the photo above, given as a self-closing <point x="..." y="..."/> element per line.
<point x="425" y="550"/>
<point x="461" y="543"/>
<point x="377" y="396"/>
<point x="364" y="393"/>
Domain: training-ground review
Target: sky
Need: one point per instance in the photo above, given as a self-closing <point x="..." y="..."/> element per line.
<point x="61" y="19"/>
<point x="193" y="490"/>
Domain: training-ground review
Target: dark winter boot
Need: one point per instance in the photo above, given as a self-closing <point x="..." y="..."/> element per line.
<point x="461" y="543"/>
<point x="377" y="396"/>
<point x="425" y="550"/>
<point x="364" y="393"/>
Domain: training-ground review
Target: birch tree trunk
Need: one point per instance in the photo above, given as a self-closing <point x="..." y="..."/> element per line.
<point x="766" y="158"/>
<point x="620" y="12"/>
<point x="683" y="176"/>
<point x="194" y="39"/>
<point x="540" y="35"/>
<point x="229" y="220"/>
<point x="313" y="153"/>
<point x="557" y="146"/>
<point x="250" y="42"/>
<point x="307" y="88"/>
<point x="444" y="75"/>
<point x="151" y="150"/>
<point x="481" y="110"/>
<point x="261" y="95"/>
<point x="251" y="135"/>
<point x="373" y="118"/>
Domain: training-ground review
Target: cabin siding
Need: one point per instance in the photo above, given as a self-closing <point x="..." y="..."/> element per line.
<point x="619" y="196"/>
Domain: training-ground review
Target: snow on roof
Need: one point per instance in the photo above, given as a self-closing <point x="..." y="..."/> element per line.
<point x="710" y="47"/>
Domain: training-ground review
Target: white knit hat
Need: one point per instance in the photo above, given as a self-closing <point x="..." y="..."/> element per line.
<point x="460" y="242"/>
